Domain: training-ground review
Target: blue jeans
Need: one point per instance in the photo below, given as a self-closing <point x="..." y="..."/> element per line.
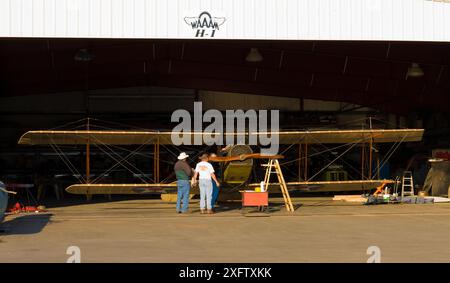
<point x="215" y="193"/>
<point x="205" y="193"/>
<point x="184" y="187"/>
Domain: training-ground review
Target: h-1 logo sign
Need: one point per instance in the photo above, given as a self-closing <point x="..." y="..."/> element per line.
<point x="205" y="25"/>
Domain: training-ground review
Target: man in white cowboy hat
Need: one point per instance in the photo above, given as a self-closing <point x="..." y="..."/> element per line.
<point x="183" y="172"/>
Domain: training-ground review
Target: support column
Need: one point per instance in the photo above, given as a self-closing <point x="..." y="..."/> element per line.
<point x="88" y="153"/>
<point x="370" y="157"/>
<point x="299" y="162"/>
<point x="306" y="162"/>
<point x="378" y="165"/>
<point x="156" y="161"/>
<point x="88" y="159"/>
<point x="363" y="151"/>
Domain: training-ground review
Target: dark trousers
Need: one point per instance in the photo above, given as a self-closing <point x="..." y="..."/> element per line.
<point x="184" y="187"/>
<point x="215" y="193"/>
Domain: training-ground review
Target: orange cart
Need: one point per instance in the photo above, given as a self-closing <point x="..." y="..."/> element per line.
<point x="255" y="199"/>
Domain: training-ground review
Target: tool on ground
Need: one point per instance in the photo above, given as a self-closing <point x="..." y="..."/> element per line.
<point x="18" y="208"/>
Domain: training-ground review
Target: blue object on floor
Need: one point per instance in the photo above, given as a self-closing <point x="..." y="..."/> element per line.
<point x="3" y="201"/>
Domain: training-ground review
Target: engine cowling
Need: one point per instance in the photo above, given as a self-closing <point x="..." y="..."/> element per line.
<point x="238" y="172"/>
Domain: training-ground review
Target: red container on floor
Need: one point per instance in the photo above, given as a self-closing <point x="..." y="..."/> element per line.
<point x="251" y="198"/>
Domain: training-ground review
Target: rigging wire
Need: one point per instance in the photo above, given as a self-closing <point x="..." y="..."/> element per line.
<point x="69" y="123"/>
<point x="329" y="164"/>
<point x="66" y="161"/>
<point x="320" y="152"/>
<point x="345" y="162"/>
<point x="386" y="159"/>
<point x="120" y="162"/>
<point x="120" y="124"/>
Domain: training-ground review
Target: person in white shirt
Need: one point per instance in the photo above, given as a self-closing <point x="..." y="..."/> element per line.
<point x="205" y="172"/>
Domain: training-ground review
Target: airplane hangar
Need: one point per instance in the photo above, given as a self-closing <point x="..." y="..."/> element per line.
<point x="343" y="69"/>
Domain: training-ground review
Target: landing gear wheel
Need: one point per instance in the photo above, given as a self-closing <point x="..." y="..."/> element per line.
<point x="169" y="197"/>
<point x="172" y="197"/>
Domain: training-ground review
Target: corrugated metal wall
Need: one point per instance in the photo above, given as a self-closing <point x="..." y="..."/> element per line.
<point x="421" y="20"/>
<point x="225" y="100"/>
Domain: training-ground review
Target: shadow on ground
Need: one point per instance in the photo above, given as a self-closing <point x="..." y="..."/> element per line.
<point x="26" y="224"/>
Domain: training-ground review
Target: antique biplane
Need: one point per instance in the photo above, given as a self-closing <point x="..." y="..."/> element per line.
<point x="237" y="161"/>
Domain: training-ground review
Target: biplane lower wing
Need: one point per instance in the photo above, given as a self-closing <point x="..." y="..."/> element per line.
<point x="139" y="189"/>
<point x="331" y="186"/>
<point x="121" y="189"/>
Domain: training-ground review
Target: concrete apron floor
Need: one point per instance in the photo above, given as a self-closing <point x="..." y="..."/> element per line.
<point x="144" y="230"/>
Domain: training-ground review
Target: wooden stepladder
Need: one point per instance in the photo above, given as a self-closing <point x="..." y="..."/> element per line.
<point x="407" y="184"/>
<point x="274" y="167"/>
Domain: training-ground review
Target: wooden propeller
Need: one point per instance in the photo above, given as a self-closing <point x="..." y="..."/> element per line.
<point x="243" y="157"/>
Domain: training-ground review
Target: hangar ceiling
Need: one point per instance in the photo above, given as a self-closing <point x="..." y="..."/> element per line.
<point x="370" y="74"/>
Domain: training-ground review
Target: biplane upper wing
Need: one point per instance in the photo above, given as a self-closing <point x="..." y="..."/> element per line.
<point x="347" y="136"/>
<point x="95" y="137"/>
<point x="331" y="186"/>
<point x="150" y="137"/>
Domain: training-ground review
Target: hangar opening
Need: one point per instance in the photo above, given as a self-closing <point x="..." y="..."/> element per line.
<point x="121" y="84"/>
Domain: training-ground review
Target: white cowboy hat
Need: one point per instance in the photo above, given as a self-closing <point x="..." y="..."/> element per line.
<point x="182" y="156"/>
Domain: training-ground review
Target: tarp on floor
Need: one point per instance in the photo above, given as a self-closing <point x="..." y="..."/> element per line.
<point x="438" y="179"/>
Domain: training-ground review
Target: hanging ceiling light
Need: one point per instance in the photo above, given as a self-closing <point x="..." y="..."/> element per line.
<point x="415" y="71"/>
<point x="83" y="55"/>
<point x="254" y="55"/>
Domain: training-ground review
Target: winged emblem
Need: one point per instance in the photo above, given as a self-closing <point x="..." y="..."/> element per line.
<point x="205" y="20"/>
